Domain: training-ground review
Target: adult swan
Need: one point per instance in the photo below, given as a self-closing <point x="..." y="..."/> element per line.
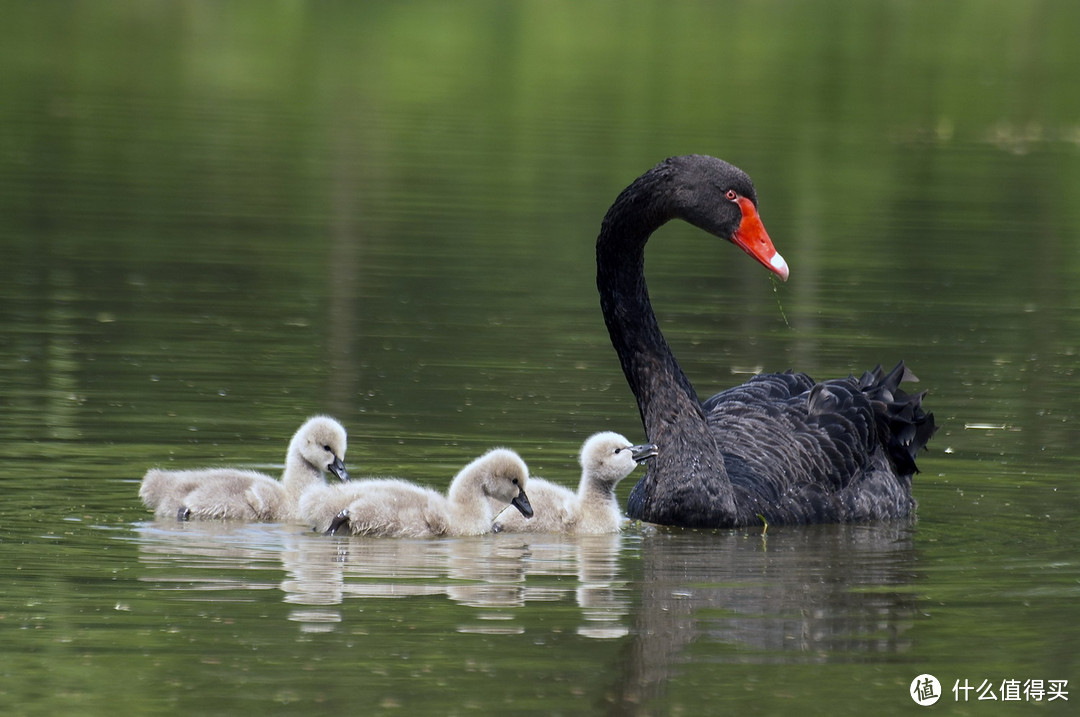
<point x="779" y="448"/>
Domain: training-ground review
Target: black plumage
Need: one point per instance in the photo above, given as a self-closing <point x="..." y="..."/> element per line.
<point x="779" y="448"/>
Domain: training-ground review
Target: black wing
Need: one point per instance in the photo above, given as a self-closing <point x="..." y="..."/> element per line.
<point x="794" y="447"/>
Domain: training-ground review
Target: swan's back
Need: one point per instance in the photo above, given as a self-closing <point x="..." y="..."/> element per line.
<point x="397" y="508"/>
<point x="384" y="507"/>
<point x="212" y="493"/>
<point x="236" y="494"/>
<point x="797" y="451"/>
<point x="400" y="509"/>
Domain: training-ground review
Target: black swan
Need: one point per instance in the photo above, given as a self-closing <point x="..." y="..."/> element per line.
<point x="780" y="448"/>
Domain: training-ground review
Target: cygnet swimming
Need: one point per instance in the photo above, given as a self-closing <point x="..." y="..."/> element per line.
<point x="391" y="507"/>
<point x="606" y="458"/>
<point x="235" y="494"/>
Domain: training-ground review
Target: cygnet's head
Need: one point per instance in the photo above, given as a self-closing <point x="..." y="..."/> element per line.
<point x="608" y="457"/>
<point x="322" y="442"/>
<point x="501" y="475"/>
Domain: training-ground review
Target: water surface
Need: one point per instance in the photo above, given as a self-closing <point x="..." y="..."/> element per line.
<point x="219" y="220"/>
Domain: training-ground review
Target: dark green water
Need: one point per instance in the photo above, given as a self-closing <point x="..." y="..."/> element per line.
<point x="218" y="219"/>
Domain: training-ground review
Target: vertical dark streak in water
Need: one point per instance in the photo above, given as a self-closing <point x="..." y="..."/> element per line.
<point x="789" y="596"/>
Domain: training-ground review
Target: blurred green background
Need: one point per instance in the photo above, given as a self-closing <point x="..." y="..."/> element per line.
<point x="217" y="218"/>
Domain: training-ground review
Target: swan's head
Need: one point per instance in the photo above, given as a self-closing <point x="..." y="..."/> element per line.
<point x="606" y="458"/>
<point x="719" y="198"/>
<point x="500" y="475"/>
<point x="322" y="442"/>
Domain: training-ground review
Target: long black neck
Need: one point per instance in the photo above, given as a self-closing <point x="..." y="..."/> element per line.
<point x="650" y="368"/>
<point x="670" y="410"/>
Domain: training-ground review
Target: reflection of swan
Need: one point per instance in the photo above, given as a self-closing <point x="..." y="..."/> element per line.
<point x="324" y="572"/>
<point x="779" y="446"/>
<point x="209" y="556"/>
<point x="395" y="508"/>
<point x="601" y="593"/>
<point x="495" y="574"/>
<point x="606" y="458"/>
<point x="487" y="573"/>
<point x="474" y="571"/>
<point x="315" y="569"/>
<point x="801" y="595"/>
<point x="228" y="493"/>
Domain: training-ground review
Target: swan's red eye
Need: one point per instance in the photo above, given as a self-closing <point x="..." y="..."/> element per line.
<point x="731" y="195"/>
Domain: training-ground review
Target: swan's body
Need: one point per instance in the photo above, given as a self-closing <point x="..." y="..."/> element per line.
<point x="780" y="448"/>
<point x="606" y="458"/>
<point x="234" y="494"/>
<point x="391" y="507"/>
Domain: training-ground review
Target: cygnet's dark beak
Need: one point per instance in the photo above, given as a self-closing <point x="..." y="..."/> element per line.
<point x="522" y="504"/>
<point x="644" y="452"/>
<point x="338" y="469"/>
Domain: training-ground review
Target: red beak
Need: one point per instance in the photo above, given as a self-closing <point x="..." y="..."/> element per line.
<point x="752" y="238"/>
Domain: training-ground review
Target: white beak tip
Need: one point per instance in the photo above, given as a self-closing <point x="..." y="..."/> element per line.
<point x="779" y="266"/>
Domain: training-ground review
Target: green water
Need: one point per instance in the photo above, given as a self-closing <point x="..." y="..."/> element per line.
<point x="220" y="218"/>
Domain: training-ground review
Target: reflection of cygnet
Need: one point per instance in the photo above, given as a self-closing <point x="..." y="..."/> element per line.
<point x="230" y="493"/>
<point x="606" y="458"/>
<point x="396" y="508"/>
